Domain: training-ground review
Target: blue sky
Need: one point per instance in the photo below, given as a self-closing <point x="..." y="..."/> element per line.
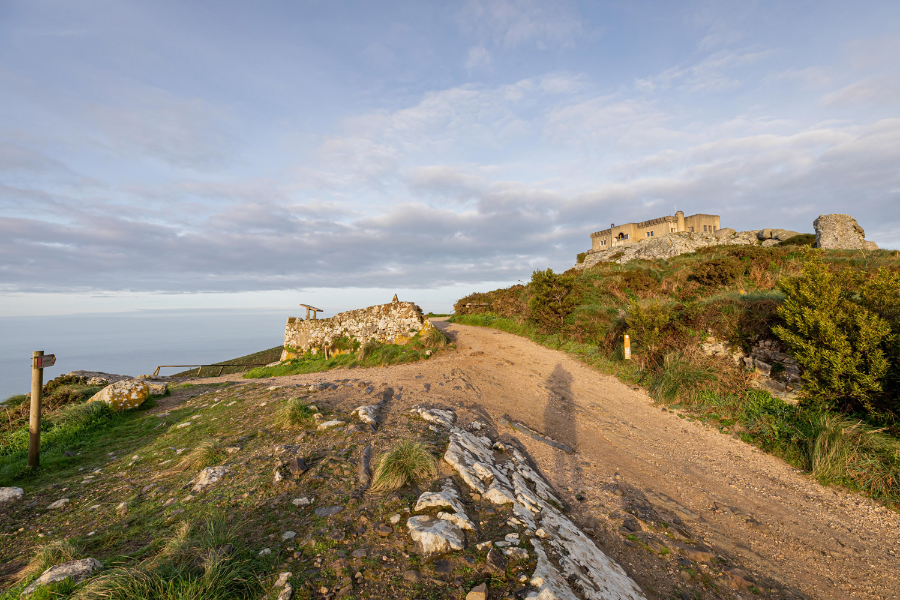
<point x="232" y="154"/>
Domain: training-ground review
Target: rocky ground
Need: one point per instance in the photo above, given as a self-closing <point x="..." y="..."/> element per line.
<point x="555" y="482"/>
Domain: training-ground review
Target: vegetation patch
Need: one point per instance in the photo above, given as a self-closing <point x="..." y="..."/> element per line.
<point x="409" y="463"/>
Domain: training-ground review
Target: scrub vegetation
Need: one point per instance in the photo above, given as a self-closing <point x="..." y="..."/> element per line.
<point x="837" y="313"/>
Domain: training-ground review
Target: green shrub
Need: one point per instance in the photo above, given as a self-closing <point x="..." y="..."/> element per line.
<point x="639" y="281"/>
<point x="579" y="258"/>
<point x="435" y="338"/>
<point x="551" y="298"/>
<point x="410" y="462"/>
<point x="842" y="347"/>
<point x="651" y="326"/>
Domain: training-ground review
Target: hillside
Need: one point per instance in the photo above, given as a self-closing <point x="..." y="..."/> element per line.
<point x="787" y="345"/>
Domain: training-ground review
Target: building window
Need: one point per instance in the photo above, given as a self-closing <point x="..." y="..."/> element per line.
<point x="651" y="234"/>
<point x="692" y="230"/>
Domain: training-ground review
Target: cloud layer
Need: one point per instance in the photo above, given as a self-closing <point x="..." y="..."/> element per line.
<point x="409" y="172"/>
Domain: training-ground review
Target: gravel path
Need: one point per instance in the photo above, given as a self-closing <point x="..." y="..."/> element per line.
<point x="753" y="509"/>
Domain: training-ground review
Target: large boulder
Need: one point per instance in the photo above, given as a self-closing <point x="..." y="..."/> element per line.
<point x="841" y="232"/>
<point x="8" y="495"/>
<point x="123" y="395"/>
<point x="78" y="570"/>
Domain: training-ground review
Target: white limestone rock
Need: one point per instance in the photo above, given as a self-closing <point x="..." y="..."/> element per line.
<point x="437" y="416"/>
<point x="58" y="504"/>
<point x="78" y="570"/>
<point x="447" y="497"/>
<point x="208" y="476"/>
<point x="329" y="425"/>
<point x="367" y="414"/>
<point x="9" y="495"/>
<point x="433" y="536"/>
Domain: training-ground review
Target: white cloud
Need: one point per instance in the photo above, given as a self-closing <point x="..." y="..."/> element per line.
<point x="883" y="91"/>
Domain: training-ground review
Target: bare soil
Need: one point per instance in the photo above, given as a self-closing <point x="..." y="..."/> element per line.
<point x="766" y="527"/>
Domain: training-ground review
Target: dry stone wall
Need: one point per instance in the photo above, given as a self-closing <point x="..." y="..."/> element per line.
<point x="393" y="323"/>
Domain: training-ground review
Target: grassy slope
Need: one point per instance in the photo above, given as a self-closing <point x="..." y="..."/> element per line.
<point x="668" y="307"/>
<point x="263" y="357"/>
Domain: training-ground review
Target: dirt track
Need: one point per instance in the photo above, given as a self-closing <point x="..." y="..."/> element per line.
<point x="756" y="512"/>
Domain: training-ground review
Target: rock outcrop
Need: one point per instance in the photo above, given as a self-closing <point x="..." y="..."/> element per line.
<point x="434" y="537"/>
<point x="666" y="246"/>
<point x="123" y="395"/>
<point x="841" y="232"/>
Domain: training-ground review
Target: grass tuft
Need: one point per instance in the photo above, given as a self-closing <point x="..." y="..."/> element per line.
<point x="679" y="378"/>
<point x="410" y="462"/>
<point x="294" y="413"/>
<point x="207" y="453"/>
<point x="48" y="555"/>
<point x="435" y="338"/>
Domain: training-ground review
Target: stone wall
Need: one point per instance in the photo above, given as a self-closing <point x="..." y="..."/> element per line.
<point x="394" y="323"/>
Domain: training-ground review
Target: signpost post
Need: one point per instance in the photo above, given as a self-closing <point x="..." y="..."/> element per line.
<point x="38" y="361"/>
<point x="627" y="348"/>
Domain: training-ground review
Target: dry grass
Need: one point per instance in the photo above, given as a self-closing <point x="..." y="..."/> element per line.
<point x="410" y="462"/>
<point x="435" y="338"/>
<point x="294" y="413"/>
<point x="54" y="553"/>
<point x="207" y="453"/>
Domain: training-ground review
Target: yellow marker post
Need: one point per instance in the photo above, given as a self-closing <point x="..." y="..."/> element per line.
<point x="627" y="348"/>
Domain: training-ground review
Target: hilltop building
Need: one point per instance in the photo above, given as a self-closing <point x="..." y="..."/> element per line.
<point x="629" y="233"/>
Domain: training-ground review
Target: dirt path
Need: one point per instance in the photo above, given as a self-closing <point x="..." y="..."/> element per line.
<point x="754" y="511"/>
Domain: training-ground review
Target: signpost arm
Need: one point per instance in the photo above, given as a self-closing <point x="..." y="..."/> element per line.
<point x="34" y="422"/>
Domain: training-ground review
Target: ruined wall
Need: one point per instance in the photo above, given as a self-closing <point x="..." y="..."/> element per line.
<point x="393" y="323"/>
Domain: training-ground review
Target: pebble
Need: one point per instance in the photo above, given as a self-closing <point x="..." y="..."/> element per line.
<point x="288" y="535"/>
<point x="282" y="579"/>
<point x="265" y="552"/>
<point x="328" y="511"/>
<point x="58" y="504"/>
<point x="395" y="519"/>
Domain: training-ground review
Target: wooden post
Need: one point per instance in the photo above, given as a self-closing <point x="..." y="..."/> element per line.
<point x="627" y="348"/>
<point x="34" y="421"/>
<point x="307" y="313"/>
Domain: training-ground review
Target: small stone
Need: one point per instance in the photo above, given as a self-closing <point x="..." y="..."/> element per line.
<point x="685" y="576"/>
<point x="479" y="592"/>
<point x="412" y="576"/>
<point x="329" y="424"/>
<point x="516" y="553"/>
<point x="495" y="562"/>
<point x="384" y="530"/>
<point x="297" y="466"/>
<point x="337" y="535"/>
<point x="286" y="592"/>
<point x="288" y="535"/>
<point x="359" y="553"/>
<point x="282" y="579"/>
<point x="328" y="511"/>
<point x="631" y="524"/>
<point x="443" y="566"/>
<point x="265" y="552"/>
<point x="395" y="519"/>
<point x="301" y="501"/>
<point x="488" y="544"/>
<point x="208" y="476"/>
<point x="122" y="509"/>
<point x="58" y="504"/>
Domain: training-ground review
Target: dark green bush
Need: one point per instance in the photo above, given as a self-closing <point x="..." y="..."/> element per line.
<point x="803" y="239"/>
<point x="848" y="351"/>
<point x="551" y="298"/>
<point x="579" y="258"/>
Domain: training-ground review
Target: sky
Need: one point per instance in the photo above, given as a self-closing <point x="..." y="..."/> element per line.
<point x="243" y="155"/>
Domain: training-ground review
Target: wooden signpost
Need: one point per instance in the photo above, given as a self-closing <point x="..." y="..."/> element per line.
<point x="627" y="348"/>
<point x="39" y="361"/>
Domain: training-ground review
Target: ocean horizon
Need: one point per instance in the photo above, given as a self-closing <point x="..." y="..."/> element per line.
<point x="132" y="343"/>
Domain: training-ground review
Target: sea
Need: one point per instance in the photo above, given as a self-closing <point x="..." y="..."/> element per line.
<point x="132" y="343"/>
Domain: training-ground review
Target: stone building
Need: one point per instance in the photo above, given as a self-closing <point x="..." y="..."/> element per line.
<point x="629" y="233"/>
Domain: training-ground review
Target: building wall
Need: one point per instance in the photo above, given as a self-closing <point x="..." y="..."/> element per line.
<point x="393" y="323"/>
<point x="632" y="232"/>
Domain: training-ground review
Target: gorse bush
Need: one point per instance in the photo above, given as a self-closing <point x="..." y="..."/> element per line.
<point x="833" y="326"/>
<point x="408" y="463"/>
<point x="717" y="272"/>
<point x="551" y="298"/>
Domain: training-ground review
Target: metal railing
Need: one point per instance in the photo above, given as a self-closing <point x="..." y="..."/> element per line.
<point x="200" y="367"/>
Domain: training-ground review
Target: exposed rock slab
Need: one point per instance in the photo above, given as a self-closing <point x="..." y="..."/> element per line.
<point x="434" y="537"/>
<point x="666" y="246"/>
<point x="447" y="497"/>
